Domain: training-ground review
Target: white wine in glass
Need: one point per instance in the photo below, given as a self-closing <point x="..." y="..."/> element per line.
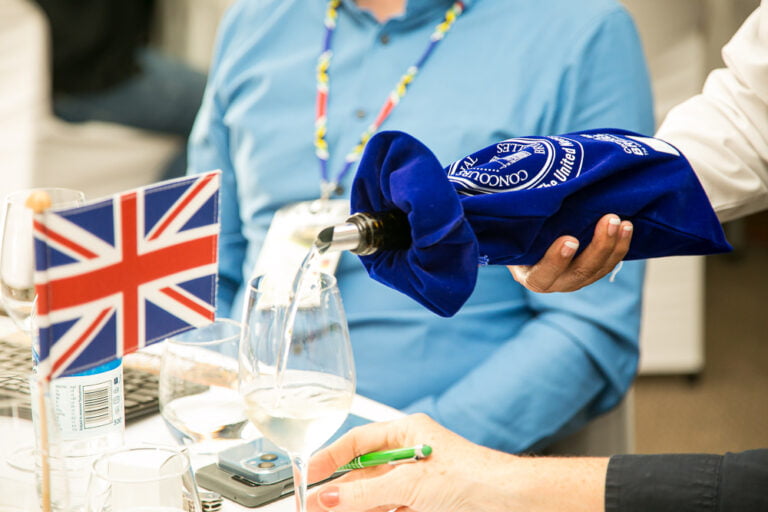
<point x="17" y="256"/>
<point x="198" y="393"/>
<point x="297" y="373"/>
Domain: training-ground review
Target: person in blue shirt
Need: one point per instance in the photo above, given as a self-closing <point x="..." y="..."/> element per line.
<point x="513" y="370"/>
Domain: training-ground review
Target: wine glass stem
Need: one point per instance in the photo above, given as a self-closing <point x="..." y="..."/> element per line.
<point x="300" y="475"/>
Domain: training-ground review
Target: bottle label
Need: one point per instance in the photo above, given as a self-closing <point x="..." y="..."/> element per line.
<point x="88" y="405"/>
<point x="540" y="162"/>
<point x="518" y="164"/>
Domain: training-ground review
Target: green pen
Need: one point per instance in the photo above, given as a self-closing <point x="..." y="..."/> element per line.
<point x="398" y="456"/>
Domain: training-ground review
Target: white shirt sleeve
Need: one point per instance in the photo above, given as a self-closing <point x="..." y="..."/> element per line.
<point x="724" y="130"/>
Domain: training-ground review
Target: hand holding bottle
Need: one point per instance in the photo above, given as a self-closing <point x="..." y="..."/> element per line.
<point x="560" y="270"/>
<point x="506" y="203"/>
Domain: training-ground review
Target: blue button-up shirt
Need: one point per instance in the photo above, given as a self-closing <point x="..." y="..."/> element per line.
<point x="513" y="369"/>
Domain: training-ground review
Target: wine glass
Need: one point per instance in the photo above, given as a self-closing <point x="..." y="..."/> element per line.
<point x="143" y="479"/>
<point x="296" y="368"/>
<point x="17" y="266"/>
<point x="17" y="258"/>
<point x="198" y="393"/>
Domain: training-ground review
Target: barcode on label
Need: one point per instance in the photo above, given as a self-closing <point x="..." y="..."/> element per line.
<point x="97" y="405"/>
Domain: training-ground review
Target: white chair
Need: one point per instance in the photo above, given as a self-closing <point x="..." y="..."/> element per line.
<point x="22" y="64"/>
<point x="100" y="158"/>
<point x="22" y="93"/>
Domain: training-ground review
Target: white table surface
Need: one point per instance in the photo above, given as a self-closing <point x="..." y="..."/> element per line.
<point x="153" y="430"/>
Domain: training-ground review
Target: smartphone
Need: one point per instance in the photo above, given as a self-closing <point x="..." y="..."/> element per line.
<point x="262" y="462"/>
<point x="239" y="489"/>
<point x="259" y="461"/>
<point x="235" y="478"/>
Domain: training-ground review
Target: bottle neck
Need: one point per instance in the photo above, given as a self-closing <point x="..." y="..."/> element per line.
<point x="366" y="233"/>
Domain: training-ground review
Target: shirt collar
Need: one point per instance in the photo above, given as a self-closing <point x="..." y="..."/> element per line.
<point x="415" y="10"/>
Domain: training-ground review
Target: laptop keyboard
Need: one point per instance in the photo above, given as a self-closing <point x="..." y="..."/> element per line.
<point x="139" y="387"/>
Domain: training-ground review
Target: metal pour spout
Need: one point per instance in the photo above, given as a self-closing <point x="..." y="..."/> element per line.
<point x="365" y="233"/>
<point x="342" y="237"/>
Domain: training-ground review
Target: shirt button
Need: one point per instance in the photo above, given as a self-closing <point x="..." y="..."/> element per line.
<point x="384" y="39"/>
<point x="360" y="113"/>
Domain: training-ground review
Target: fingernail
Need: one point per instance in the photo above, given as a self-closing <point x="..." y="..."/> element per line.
<point x="569" y="248"/>
<point x="329" y="497"/>
<point x="613" y="225"/>
<point x="626" y="231"/>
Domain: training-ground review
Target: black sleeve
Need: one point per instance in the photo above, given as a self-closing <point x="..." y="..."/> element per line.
<point x="734" y="482"/>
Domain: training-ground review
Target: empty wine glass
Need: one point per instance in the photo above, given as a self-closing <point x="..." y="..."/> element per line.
<point x="17" y="258"/>
<point x="198" y="393"/>
<point x="296" y="368"/>
<point x="143" y="479"/>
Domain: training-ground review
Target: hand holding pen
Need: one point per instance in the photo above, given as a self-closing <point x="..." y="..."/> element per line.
<point x="437" y="483"/>
<point x="396" y="456"/>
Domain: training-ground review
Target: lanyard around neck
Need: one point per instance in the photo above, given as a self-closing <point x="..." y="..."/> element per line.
<point x="330" y="187"/>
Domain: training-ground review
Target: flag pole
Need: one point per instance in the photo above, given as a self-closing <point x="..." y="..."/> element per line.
<point x="38" y="202"/>
<point x="45" y="468"/>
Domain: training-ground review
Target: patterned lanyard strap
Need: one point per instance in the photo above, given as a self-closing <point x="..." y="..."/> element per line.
<point x="329" y="187"/>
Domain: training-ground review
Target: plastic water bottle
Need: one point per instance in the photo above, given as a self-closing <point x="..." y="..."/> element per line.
<point x="85" y="419"/>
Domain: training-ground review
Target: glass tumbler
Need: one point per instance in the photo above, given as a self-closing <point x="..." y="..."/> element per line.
<point x="143" y="479"/>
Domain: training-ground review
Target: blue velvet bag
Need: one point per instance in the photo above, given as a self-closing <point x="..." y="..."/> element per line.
<point x="507" y="203"/>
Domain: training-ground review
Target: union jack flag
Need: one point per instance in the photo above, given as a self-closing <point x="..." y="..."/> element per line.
<point x="115" y="275"/>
